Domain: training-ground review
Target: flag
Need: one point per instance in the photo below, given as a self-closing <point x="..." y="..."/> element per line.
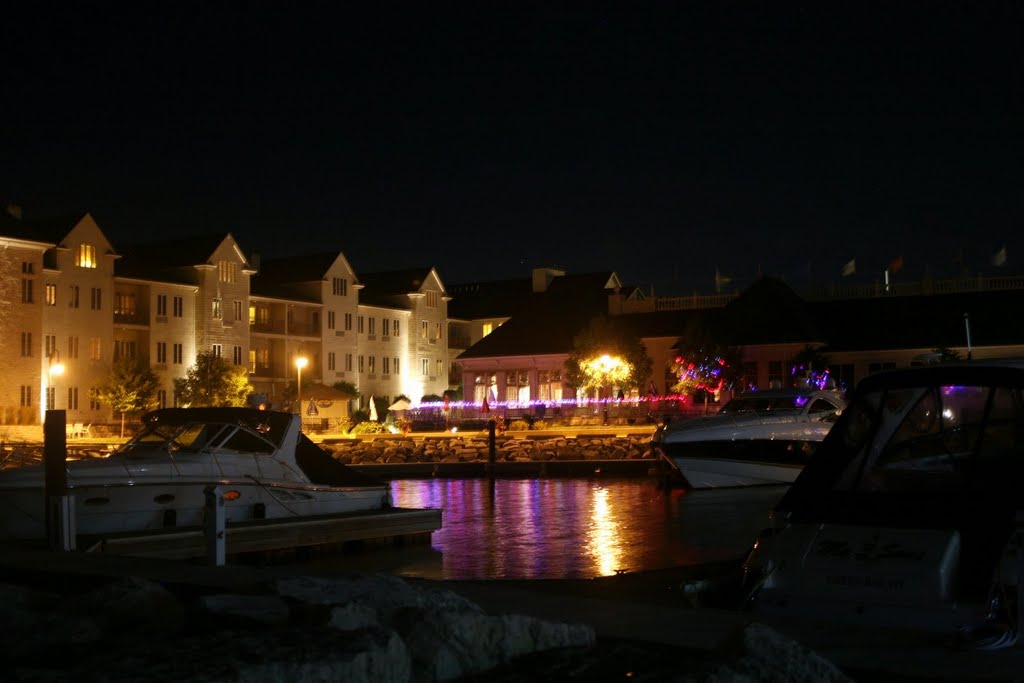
<point x="373" y="410"/>
<point x="850" y="268"/>
<point x="721" y="280"/>
<point x="999" y="258"/>
<point x="896" y="265"/>
<point x="485" y="407"/>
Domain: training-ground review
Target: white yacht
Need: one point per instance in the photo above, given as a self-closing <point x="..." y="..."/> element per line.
<point x="759" y="437"/>
<point x="265" y="466"/>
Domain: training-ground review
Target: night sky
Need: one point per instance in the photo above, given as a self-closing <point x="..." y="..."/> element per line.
<point x="660" y="140"/>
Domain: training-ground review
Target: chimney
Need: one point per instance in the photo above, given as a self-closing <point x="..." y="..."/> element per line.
<point x="542" y="277"/>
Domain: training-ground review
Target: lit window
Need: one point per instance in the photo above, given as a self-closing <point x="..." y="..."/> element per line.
<point x="85" y="256"/>
<point x="51" y="294"/>
<point x="227" y="271"/>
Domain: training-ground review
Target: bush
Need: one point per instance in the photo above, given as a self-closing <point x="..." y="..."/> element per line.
<point x="369" y="427"/>
<point x="517" y="425"/>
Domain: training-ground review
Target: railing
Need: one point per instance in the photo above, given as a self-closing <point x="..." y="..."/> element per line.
<point x="280" y="327"/>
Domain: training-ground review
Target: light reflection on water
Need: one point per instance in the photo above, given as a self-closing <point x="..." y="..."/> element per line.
<point x="567" y="528"/>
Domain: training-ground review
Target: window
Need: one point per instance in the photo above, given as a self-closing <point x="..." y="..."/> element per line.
<point x="177" y="351"/>
<point x="237" y="305"/>
<point x="373" y="325"/>
<point x="394" y="327"/>
<point x="124" y="349"/>
<point x="215" y="309"/>
<point x="124" y="304"/>
<point x="161" y="352"/>
<point x="227" y="271"/>
<point x="72" y="347"/>
<point x="330" y="360"/>
<point x="26" y="396"/>
<point x="49" y="345"/>
<point x="348" y="321"/>
<point x="387" y="365"/>
<point x="161" y="398"/>
<point x="373" y="364"/>
<point x="85" y="256"/>
<point x="51" y="398"/>
<point x="424" y="325"/>
<point x="96" y="300"/>
<point x="396" y="365"/>
<point x="179" y="307"/>
<point x="161" y="305"/>
<point x="26" y="291"/>
<point x="488" y="328"/>
<point x="28" y="267"/>
<point x="51" y="294"/>
<point x="218" y="350"/>
<point x="263" y="358"/>
<point x="339" y="286"/>
<point x="360" y="364"/>
<point x="348" y="362"/>
<point x="95" y="349"/>
<point x="236" y="355"/>
<point x="330" y="320"/>
<point x="26" y="343"/>
<point x="437" y="331"/>
<point x="359" y="325"/>
<point x="73" y="297"/>
<point x="439" y="371"/>
<point x="425" y="364"/>
<point x="432" y="299"/>
<point x="72" y="398"/>
<point x="93" y="403"/>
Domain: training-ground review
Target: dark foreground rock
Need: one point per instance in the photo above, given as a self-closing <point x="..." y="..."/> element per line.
<point x="358" y="628"/>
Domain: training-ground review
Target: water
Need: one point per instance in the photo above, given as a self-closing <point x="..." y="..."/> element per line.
<point x="566" y="528"/>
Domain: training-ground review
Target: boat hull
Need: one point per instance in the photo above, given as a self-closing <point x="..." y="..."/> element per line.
<point x="710" y="473"/>
<point x="741" y="462"/>
<point x="145" y="506"/>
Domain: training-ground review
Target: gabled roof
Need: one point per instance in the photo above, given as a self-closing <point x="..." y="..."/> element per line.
<point x="160" y="260"/>
<point x="767" y="312"/>
<point x="497" y="299"/>
<point x="50" y="230"/>
<point x="302" y="268"/>
<point x="383" y="288"/>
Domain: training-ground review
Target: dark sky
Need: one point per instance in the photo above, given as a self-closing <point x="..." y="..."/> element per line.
<point x="657" y="139"/>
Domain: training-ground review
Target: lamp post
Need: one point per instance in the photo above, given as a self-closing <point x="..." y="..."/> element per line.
<point x="300" y="363"/>
<point x="55" y="371"/>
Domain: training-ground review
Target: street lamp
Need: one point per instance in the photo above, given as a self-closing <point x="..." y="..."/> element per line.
<point x="300" y="363"/>
<point x="55" y="371"/>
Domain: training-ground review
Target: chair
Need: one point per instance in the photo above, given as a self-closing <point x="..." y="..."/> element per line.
<point x="77" y="430"/>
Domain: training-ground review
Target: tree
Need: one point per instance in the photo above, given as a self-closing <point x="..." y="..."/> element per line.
<point x="605" y="355"/>
<point x="705" y="364"/>
<point x="212" y="381"/>
<point x="130" y="387"/>
<point x="809" y="367"/>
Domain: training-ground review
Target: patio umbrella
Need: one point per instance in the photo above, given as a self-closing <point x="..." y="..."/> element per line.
<point x="400" y="404"/>
<point x="373" y="410"/>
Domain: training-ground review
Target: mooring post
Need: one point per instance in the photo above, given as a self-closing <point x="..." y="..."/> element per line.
<point x="60" y="509"/>
<point x="214" y="526"/>
<point x="490" y="448"/>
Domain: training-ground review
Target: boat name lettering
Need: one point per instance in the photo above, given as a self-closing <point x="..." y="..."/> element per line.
<point x="869" y="551"/>
<point x="876" y="582"/>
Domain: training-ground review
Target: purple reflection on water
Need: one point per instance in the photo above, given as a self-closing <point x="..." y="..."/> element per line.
<point x="571" y="528"/>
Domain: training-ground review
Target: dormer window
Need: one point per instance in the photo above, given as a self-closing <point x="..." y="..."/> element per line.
<point x="85" y="256"/>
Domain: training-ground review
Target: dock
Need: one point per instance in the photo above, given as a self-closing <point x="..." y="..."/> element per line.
<point x="266" y="535"/>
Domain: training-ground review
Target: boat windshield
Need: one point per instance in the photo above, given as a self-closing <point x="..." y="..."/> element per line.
<point x="194" y="437"/>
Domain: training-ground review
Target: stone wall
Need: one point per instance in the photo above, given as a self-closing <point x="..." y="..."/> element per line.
<point x="474" y="448"/>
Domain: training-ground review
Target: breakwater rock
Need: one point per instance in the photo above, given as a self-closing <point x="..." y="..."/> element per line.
<point x="475" y="448"/>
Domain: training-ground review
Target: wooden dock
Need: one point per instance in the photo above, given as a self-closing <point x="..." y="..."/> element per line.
<point x="268" y="535"/>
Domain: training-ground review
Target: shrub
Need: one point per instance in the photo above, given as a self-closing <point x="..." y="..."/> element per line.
<point x="517" y="425"/>
<point x="370" y="427"/>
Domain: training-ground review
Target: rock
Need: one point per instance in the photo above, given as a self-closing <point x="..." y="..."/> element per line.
<point x="759" y="653"/>
<point x="269" y="610"/>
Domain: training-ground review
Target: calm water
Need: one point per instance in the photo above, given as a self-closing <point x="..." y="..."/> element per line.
<point x="566" y="528"/>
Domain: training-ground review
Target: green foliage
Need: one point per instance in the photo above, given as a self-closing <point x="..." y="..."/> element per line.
<point x="130" y="387"/>
<point x="946" y="354"/>
<point x="453" y="394"/>
<point x="431" y="398"/>
<point x="348" y="388"/>
<point x="518" y="425"/>
<point x="603" y="337"/>
<point x="369" y="427"/>
<point x="213" y="382"/>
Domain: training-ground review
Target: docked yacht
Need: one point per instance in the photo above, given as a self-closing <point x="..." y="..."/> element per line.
<point x="911" y="514"/>
<point x="264" y="466"/>
<point x="759" y="437"/>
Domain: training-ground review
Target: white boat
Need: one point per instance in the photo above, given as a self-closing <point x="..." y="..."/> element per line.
<point x="760" y="437"/>
<point x="264" y="466"/>
<point x="911" y="514"/>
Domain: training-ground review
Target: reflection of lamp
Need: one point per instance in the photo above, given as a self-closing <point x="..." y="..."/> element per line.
<point x="56" y="369"/>
<point x="300" y="363"/>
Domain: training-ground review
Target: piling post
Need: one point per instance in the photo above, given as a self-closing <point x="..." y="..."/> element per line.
<point x="60" y="509"/>
<point x="490" y="448"/>
<point x="214" y="526"/>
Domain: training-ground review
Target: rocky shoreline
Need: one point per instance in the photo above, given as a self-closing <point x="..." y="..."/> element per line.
<point x="475" y="448"/>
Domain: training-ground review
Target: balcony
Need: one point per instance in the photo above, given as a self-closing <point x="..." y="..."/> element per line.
<point x="299" y="329"/>
<point x="130" y="319"/>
